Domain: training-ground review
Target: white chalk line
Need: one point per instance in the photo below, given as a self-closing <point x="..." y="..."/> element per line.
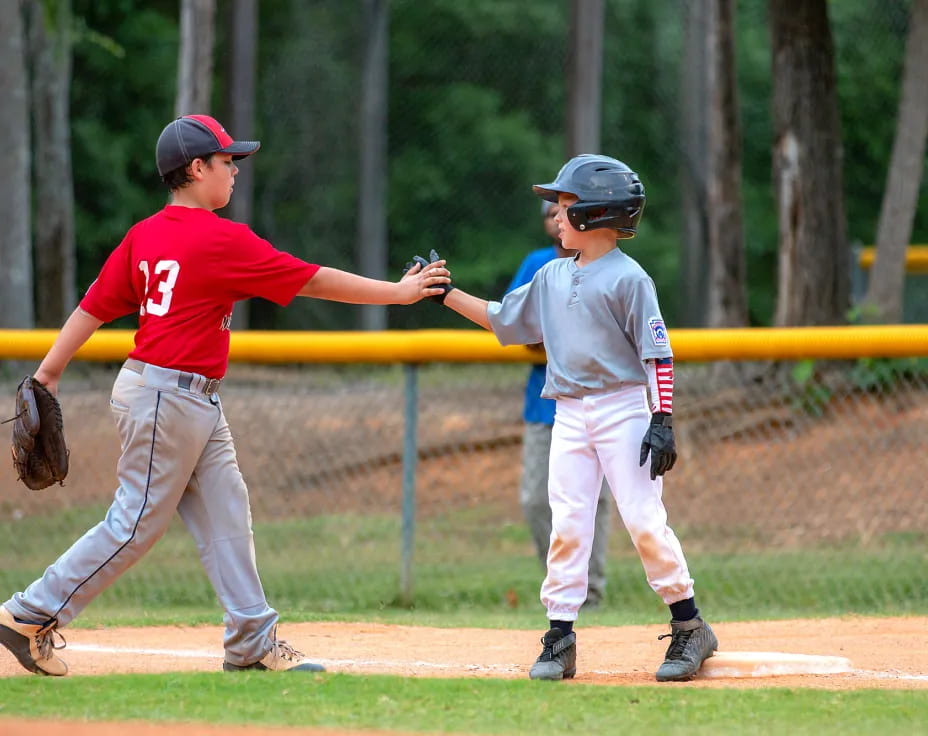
<point x="181" y="653"/>
<point x="417" y="664"/>
<point x="210" y="654"/>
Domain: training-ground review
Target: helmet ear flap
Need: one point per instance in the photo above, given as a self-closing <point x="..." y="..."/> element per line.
<point x="582" y="215"/>
<point x="623" y="218"/>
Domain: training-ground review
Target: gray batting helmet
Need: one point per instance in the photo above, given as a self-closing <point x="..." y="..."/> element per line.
<point x="610" y="194"/>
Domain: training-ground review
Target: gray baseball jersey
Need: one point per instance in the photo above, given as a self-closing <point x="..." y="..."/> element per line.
<point x="598" y="323"/>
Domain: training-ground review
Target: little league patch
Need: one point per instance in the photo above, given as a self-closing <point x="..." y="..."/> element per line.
<point x="658" y="331"/>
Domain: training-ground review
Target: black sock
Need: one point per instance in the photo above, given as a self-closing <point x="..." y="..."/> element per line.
<point x="684" y="610"/>
<point x="565" y="626"/>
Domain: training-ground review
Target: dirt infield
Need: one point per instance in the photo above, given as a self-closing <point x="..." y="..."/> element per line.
<point x="888" y="653"/>
<point x="884" y="652"/>
<point x="803" y="499"/>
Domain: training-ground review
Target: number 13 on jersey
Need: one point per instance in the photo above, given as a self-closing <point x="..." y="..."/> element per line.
<point x="160" y="307"/>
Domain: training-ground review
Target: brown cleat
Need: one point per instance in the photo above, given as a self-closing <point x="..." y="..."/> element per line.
<point x="281" y="658"/>
<point x="32" y="644"/>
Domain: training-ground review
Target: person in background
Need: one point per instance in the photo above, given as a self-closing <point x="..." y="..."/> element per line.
<point x="538" y="415"/>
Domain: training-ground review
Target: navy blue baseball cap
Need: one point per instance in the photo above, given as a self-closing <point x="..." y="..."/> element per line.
<point x="196" y="136"/>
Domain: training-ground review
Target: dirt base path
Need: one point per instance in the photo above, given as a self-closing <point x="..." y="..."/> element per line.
<point x="884" y="652"/>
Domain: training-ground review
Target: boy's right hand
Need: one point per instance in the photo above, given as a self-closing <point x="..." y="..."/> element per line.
<point x="422" y="263"/>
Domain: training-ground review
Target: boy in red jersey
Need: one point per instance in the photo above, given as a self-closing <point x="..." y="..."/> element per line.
<point x="182" y="269"/>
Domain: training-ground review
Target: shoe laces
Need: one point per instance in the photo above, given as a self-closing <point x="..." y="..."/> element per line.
<point x="45" y="642"/>
<point x="547" y="651"/>
<point x="548" y="643"/>
<point x="677" y="643"/>
<point x="285" y="651"/>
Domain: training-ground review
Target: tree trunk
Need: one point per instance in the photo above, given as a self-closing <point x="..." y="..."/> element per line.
<point x="16" y="308"/>
<point x="55" y="259"/>
<point x="694" y="133"/>
<point x="240" y="106"/>
<point x="372" y="146"/>
<point x="585" y="77"/>
<point x="883" y="301"/>
<point x="195" y="62"/>
<point x="814" y="255"/>
<point x="727" y="297"/>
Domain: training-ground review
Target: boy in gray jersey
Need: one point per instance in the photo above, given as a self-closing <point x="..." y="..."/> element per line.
<point x="598" y="317"/>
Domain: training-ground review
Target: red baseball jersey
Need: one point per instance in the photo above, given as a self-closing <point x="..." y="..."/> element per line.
<point x="182" y="269"/>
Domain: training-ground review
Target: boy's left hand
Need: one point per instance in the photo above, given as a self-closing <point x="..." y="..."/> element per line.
<point x="659" y="442"/>
<point x="40" y="453"/>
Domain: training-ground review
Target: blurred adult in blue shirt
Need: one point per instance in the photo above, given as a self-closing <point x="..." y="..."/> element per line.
<point x="538" y="414"/>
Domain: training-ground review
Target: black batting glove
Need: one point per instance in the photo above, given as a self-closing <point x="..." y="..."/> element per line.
<point x="433" y="256"/>
<point x="658" y="441"/>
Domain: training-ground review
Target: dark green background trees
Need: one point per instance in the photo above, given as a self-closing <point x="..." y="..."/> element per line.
<point x="476" y="115"/>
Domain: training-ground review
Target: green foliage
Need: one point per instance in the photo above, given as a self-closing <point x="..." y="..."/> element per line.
<point x="871" y="36"/>
<point x="476" y="115"/>
<point x="476" y="133"/>
<point x="880" y="375"/>
<point x="811" y="395"/>
<point x="122" y="94"/>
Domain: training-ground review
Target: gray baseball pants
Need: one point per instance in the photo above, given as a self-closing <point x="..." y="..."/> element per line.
<point x="177" y="455"/>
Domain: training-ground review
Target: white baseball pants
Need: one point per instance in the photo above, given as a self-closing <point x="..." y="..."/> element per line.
<point x="593" y="436"/>
<point x="533" y="496"/>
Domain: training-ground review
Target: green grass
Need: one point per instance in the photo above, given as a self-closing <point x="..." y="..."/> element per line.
<point x="469" y="568"/>
<point x="462" y="705"/>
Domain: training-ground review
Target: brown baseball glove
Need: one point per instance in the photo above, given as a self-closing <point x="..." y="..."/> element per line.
<point x="40" y="454"/>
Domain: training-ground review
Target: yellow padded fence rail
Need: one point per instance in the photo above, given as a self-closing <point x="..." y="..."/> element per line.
<point x="916" y="258"/>
<point x="477" y="346"/>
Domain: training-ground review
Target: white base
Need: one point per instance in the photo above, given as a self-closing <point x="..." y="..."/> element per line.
<point x="771" y="664"/>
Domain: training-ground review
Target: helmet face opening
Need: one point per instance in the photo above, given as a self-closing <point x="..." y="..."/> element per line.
<point x="610" y="194"/>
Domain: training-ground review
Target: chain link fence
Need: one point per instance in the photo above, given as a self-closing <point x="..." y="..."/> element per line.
<point x="778" y="461"/>
<point x="791" y="474"/>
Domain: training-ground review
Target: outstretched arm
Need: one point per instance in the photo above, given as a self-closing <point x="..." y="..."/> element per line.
<point x="472" y="307"/>
<point x="342" y="286"/>
<point x="76" y="331"/>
